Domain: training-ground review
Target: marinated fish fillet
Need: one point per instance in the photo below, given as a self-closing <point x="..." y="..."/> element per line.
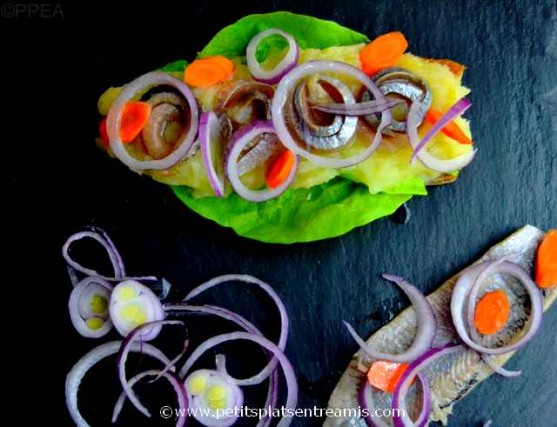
<point x="451" y="377"/>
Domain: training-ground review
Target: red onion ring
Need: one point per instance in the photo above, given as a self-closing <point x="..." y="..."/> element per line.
<point x="289" y="61"/>
<point x="220" y="359"/>
<point x="102" y="238"/>
<point x="426" y="329"/>
<point x="123" y="356"/>
<point x="289" y="374"/>
<point x="284" y="321"/>
<point x="142" y="297"/>
<point x="129" y="92"/>
<point x="400" y="412"/>
<point x="365" y="398"/>
<point x="209" y="139"/>
<point x="439" y="165"/>
<point x="359" y="109"/>
<point x="78" y="318"/>
<point x="240" y="140"/>
<point x="283" y="94"/>
<point x="499" y="369"/>
<point x="80" y="369"/>
<point x="115" y="258"/>
<point x="473" y="294"/>
<point x="366" y="401"/>
<point x="456" y="110"/>
<point x="215" y="311"/>
<point x="461" y="294"/>
<point x="176" y="383"/>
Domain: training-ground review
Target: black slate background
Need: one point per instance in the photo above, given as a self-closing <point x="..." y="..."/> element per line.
<point x="64" y="62"/>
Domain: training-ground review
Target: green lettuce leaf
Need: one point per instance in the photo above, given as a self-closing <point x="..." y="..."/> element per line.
<point x="309" y="33"/>
<point x="299" y="215"/>
<point x="175" y="67"/>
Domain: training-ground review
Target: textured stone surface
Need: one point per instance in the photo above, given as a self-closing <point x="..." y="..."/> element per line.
<point x="512" y="71"/>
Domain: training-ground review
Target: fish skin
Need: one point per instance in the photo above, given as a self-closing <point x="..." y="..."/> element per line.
<point x="453" y="377"/>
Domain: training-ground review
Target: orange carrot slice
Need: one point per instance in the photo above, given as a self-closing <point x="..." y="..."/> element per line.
<point x="385" y="375"/>
<point x="384" y="51"/>
<point x="280" y="169"/>
<point x="546" y="261"/>
<point x="135" y="116"/>
<point x="492" y="312"/>
<point x="208" y="71"/>
<point x="450" y="129"/>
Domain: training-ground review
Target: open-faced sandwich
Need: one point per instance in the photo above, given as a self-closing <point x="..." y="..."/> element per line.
<point x="435" y="352"/>
<point x="288" y="128"/>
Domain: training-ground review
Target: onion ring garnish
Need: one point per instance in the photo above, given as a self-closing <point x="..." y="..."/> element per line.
<point x="284" y="321"/>
<point x="425" y="334"/>
<point x="284" y="94"/>
<point x="366" y="401"/>
<point x="359" y="109"/>
<point x="499" y="369"/>
<point x="456" y="110"/>
<point x="220" y="360"/>
<point x="212" y="141"/>
<point x="473" y="294"/>
<point x="88" y="306"/>
<point x="424" y="156"/>
<point x="290" y="376"/>
<point x="461" y="293"/>
<point x="75" y="376"/>
<point x="289" y="61"/>
<point x="108" y="245"/>
<point x="102" y="238"/>
<point x="215" y="396"/>
<point x="400" y="410"/>
<point x="239" y="142"/>
<point x="176" y="383"/>
<point x="133" y="304"/>
<point x="365" y="398"/>
<point x="129" y="92"/>
<point x="123" y="356"/>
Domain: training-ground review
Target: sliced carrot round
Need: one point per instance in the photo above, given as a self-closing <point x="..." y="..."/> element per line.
<point x="226" y="64"/>
<point x="280" y="169"/>
<point x="135" y="116"/>
<point x="546" y="261"/>
<point x="208" y="71"/>
<point x="385" y="375"/>
<point x="451" y="129"/>
<point x="384" y="51"/>
<point x="492" y="312"/>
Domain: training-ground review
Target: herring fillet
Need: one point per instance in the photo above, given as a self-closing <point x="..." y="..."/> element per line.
<point x="455" y="377"/>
